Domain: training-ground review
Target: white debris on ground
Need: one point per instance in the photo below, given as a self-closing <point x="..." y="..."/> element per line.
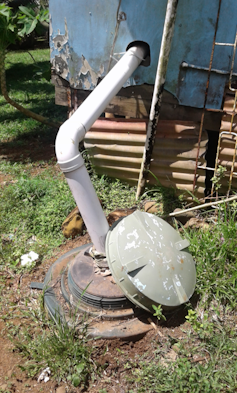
<point x="44" y="376"/>
<point x="27" y="259"/>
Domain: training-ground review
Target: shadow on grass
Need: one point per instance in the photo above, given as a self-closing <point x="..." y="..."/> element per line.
<point x="31" y="88"/>
<point x="47" y="109"/>
<point x="177" y="317"/>
<point x="21" y="72"/>
<point x="36" y="145"/>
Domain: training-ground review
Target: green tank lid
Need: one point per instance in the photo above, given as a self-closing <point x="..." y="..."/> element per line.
<point x="150" y="261"/>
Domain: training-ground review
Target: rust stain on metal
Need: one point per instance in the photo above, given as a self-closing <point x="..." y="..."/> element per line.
<point x="154" y="123"/>
<point x="116" y="149"/>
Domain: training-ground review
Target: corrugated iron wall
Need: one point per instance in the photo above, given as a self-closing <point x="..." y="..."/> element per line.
<point x="116" y="149"/>
<point x="174" y="156"/>
<point x="227" y="154"/>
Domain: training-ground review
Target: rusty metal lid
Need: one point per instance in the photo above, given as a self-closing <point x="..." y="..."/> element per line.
<point x="150" y="261"/>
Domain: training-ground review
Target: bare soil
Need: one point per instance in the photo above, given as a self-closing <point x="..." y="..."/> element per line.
<point x="111" y="354"/>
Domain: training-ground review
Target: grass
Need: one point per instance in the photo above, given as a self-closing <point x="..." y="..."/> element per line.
<point x="27" y="87"/>
<point x="215" y="253"/>
<point x="62" y="348"/>
<point x="33" y="207"/>
<point x="205" y="361"/>
<point x="35" y="199"/>
<point x="217" y="374"/>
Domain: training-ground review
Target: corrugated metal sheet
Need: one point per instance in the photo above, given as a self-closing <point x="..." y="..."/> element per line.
<point x="174" y="156"/>
<point x="116" y="149"/>
<point x="228" y="142"/>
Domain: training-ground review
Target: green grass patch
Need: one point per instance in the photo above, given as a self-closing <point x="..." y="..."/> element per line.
<point x="214" y="372"/>
<point x="33" y="208"/>
<point x="215" y="253"/>
<point x="35" y="199"/>
<point x="54" y="345"/>
<point x="113" y="193"/>
<point x="26" y="84"/>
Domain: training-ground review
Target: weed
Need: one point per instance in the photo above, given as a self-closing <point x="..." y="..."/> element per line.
<point x="201" y="326"/>
<point x="158" y="312"/>
<point x="113" y="193"/>
<point x="216" y="180"/>
<point x="165" y="196"/>
<point x="214" y="372"/>
<point x="61" y="347"/>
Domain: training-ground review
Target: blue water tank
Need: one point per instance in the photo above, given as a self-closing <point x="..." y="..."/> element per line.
<point x="87" y="37"/>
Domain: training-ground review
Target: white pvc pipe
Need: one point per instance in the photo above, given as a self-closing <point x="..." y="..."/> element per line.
<point x="72" y="132"/>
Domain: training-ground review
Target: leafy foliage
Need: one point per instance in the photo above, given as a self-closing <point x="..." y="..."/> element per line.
<point x="15" y="24"/>
<point x="216" y="180"/>
<point x="158" y="312"/>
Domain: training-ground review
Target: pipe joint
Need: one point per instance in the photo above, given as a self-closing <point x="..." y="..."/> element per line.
<point x="71" y="165"/>
<point x="67" y="143"/>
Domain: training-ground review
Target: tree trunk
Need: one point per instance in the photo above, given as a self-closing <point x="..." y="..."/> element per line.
<point x="23" y="110"/>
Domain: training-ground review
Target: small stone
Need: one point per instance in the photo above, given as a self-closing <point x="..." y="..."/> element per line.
<point x="184" y="217"/>
<point x="152" y="207"/>
<point x="196" y="223"/>
<point x="171" y="355"/>
<point x="176" y="348"/>
<point x="73" y="225"/>
<point x="61" y="389"/>
<point x="116" y="214"/>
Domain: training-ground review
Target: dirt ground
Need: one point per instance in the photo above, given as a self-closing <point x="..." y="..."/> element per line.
<point x="112" y="354"/>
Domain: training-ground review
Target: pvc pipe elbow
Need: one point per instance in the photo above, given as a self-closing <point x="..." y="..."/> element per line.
<point x="66" y="146"/>
<point x="72" y="132"/>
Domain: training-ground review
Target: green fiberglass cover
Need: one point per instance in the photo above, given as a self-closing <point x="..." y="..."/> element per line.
<point x="150" y="261"/>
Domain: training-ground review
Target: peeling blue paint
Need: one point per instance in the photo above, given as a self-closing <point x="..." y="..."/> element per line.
<point x="83" y="35"/>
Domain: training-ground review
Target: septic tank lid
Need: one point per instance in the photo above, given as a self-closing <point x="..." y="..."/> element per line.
<point x="150" y="261"/>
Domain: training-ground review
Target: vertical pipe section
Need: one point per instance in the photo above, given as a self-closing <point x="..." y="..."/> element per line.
<point x="157" y="93"/>
<point x="72" y="132"/>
